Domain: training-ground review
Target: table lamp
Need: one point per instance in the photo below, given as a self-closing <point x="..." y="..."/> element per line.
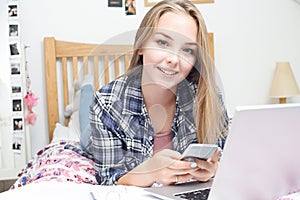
<point x="284" y="84"/>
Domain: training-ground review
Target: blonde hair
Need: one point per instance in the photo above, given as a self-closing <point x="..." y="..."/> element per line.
<point x="209" y="117"/>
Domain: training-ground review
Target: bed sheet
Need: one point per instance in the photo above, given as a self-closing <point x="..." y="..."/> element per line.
<point x="58" y="161"/>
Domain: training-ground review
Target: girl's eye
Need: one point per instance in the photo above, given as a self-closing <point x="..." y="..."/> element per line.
<point x="189" y="51"/>
<point x="162" y="43"/>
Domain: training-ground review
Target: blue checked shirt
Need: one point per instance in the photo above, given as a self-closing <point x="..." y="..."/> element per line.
<point x="122" y="135"/>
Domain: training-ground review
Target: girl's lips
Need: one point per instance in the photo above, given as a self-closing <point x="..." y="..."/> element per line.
<point x="167" y="72"/>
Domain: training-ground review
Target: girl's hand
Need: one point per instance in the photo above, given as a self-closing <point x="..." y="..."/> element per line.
<point x="165" y="167"/>
<point x="206" y="169"/>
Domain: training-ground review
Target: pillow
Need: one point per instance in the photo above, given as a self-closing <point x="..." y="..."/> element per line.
<point x="60" y="132"/>
<point x="78" y="111"/>
<point x="68" y="133"/>
<point x="86" y="96"/>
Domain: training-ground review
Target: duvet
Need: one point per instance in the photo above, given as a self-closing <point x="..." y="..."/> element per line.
<point x="58" y="161"/>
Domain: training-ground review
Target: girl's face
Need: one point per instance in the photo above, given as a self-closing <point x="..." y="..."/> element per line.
<point x="170" y="53"/>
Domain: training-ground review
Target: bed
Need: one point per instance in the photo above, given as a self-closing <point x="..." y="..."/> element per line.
<point x="68" y="66"/>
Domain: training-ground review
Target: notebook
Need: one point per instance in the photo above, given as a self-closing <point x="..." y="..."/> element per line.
<point x="261" y="157"/>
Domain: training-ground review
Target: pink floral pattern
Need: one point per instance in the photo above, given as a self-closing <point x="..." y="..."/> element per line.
<point x="54" y="162"/>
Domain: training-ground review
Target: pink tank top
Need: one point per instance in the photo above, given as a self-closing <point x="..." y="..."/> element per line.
<point x="162" y="141"/>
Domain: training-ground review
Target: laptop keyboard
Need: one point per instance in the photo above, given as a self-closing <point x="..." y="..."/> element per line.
<point x="201" y="194"/>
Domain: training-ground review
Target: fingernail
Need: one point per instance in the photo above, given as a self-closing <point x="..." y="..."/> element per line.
<point x="191" y="160"/>
<point x="193" y="165"/>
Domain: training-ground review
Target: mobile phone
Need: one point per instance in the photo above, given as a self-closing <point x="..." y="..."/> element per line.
<point x="200" y="151"/>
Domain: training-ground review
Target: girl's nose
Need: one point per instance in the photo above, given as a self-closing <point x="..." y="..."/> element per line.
<point x="172" y="59"/>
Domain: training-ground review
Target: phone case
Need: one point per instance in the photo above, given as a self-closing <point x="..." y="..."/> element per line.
<point x="201" y="151"/>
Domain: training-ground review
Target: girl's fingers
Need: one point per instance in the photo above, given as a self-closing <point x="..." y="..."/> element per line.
<point x="216" y="156"/>
<point x="201" y="175"/>
<point x="181" y="164"/>
<point x="183" y="178"/>
<point x="211" y="163"/>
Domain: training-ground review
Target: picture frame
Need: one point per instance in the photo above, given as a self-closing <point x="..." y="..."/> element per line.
<point x="13" y="10"/>
<point x="17" y="105"/>
<point x="153" y="2"/>
<point x="115" y="3"/>
<point x="18" y="124"/>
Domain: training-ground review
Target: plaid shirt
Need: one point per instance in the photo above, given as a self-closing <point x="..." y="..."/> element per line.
<point x="122" y="134"/>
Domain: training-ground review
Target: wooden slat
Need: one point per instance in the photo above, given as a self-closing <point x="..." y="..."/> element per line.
<point x="51" y="84"/>
<point x="75" y="67"/>
<point x="106" y="69"/>
<point x="96" y="72"/>
<point x="65" y="84"/>
<point x="85" y="65"/>
<point x="116" y="65"/>
<point x="65" y="80"/>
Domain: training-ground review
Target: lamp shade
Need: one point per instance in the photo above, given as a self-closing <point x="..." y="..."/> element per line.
<point x="284" y="83"/>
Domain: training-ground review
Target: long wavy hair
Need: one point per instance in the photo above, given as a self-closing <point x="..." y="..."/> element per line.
<point x="211" y="120"/>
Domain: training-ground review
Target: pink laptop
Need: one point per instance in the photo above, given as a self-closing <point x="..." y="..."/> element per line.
<point x="261" y="158"/>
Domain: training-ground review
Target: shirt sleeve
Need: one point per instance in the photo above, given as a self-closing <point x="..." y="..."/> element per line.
<point x="106" y="145"/>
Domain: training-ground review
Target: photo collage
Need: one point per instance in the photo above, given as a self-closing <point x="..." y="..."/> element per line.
<point x="16" y="76"/>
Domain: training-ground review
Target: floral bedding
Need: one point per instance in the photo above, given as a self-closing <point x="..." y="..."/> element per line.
<point x="57" y="161"/>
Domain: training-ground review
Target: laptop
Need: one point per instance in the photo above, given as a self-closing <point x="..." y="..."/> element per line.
<point x="260" y="159"/>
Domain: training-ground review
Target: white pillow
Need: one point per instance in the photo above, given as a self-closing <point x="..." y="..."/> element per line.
<point x="60" y="132"/>
<point x="74" y="127"/>
<point x="72" y="132"/>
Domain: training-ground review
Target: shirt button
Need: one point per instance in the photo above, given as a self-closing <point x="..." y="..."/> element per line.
<point x="150" y="138"/>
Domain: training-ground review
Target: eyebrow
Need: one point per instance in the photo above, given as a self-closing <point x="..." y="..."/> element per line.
<point x="169" y="37"/>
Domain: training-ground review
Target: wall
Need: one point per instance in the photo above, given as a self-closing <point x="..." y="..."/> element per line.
<point x="4" y="41"/>
<point x="250" y="36"/>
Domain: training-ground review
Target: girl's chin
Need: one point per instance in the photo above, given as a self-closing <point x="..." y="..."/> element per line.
<point x="166" y="86"/>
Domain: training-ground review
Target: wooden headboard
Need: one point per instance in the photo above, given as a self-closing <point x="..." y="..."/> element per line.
<point x="66" y="62"/>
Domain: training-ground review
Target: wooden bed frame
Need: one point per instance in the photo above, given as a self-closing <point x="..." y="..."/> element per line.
<point x="66" y="62"/>
<point x="72" y="60"/>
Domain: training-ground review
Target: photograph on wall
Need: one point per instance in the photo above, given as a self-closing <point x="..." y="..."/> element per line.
<point x="15" y="68"/>
<point x="18" y="124"/>
<point x="130" y="7"/>
<point x="16" y="89"/>
<point x="14" y="49"/>
<point x="13" y="10"/>
<point x="17" y="144"/>
<point x="13" y="30"/>
<point x="17" y="105"/>
<point x="115" y="3"/>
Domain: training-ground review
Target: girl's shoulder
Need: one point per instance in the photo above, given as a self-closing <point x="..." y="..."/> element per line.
<point x="121" y="89"/>
<point x="114" y="87"/>
<point x="122" y="95"/>
<point x="109" y="96"/>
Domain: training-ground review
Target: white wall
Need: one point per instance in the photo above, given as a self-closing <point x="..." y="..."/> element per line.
<point x="5" y="70"/>
<point x="250" y="37"/>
